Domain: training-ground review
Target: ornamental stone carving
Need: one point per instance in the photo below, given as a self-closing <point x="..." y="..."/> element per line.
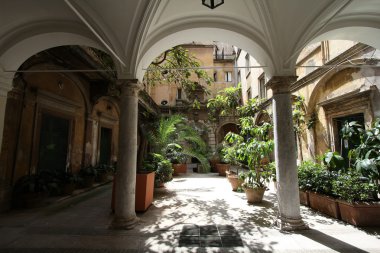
<point x="281" y="84"/>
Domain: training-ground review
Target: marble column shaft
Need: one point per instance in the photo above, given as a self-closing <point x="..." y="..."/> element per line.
<point x="125" y="215"/>
<point x="285" y="155"/>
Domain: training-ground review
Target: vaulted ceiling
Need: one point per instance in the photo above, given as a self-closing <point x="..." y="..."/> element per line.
<point x="133" y="32"/>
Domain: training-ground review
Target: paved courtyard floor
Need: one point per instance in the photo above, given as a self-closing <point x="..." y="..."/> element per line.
<point x="202" y="206"/>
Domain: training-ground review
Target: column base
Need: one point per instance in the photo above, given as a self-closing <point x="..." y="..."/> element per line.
<point x="124" y="224"/>
<point x="5" y="198"/>
<point x="291" y="224"/>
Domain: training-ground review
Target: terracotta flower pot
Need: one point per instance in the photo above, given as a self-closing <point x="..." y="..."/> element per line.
<point x="234" y="181"/>
<point x="68" y="188"/>
<point x="360" y="214"/>
<point x="88" y="182"/>
<point x="222" y="168"/>
<point x="179" y="169"/>
<point x="304" y="198"/>
<point x="144" y="191"/>
<point x="254" y="195"/>
<point x="324" y="204"/>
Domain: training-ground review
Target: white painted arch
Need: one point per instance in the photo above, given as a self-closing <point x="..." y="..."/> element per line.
<point x="165" y="41"/>
<point x="22" y="50"/>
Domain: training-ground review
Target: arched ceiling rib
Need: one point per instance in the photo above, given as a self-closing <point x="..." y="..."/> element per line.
<point x="275" y="30"/>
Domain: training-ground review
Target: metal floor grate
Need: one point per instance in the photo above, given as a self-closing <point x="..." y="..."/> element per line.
<point x="209" y="236"/>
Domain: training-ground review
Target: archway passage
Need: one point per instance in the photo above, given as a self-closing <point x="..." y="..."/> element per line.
<point x="134" y="32"/>
<point x="50" y="130"/>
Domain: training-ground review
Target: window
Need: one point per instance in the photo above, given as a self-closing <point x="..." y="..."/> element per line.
<point x="249" y="95"/>
<point x="179" y="93"/>
<point x="239" y="77"/>
<point x="228" y="76"/>
<point x="247" y="65"/>
<point x="105" y="145"/>
<point x="215" y="76"/>
<point x="262" y="88"/>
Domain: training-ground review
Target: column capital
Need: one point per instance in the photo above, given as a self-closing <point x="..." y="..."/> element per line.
<point x="281" y="84"/>
<point x="129" y="87"/>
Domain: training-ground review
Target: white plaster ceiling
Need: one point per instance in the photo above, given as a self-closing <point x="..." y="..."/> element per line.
<point x="136" y="31"/>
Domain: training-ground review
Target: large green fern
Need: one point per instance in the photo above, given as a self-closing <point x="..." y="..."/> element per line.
<point x="176" y="131"/>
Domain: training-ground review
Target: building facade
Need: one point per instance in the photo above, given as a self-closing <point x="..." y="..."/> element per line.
<point x="339" y="81"/>
<point x="218" y="60"/>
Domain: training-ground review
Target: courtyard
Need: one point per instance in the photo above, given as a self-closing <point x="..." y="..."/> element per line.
<point x="193" y="213"/>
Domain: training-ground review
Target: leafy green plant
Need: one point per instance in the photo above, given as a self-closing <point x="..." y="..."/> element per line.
<point x="88" y="172"/>
<point x="272" y="169"/>
<point x="69" y="178"/>
<point x="366" y="152"/>
<point x="315" y="177"/>
<point x="177" y="66"/>
<point x="30" y="184"/>
<point x="225" y="103"/>
<point x="333" y="161"/>
<point x="174" y="138"/>
<point x="161" y="166"/>
<point x="174" y="153"/>
<point x="351" y="186"/>
<point x="251" y="108"/>
<point x="299" y="121"/>
<point x="249" y="148"/>
<point x="257" y="178"/>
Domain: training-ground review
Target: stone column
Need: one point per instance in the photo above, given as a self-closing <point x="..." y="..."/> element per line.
<point x="289" y="217"/>
<point x="6" y="80"/>
<point x="125" y="178"/>
<point x="8" y="102"/>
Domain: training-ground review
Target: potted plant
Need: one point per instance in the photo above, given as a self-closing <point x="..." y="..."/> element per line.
<point x="272" y="169"/>
<point x="29" y="191"/>
<point x="87" y="175"/>
<point x="222" y="167"/>
<point x="162" y="168"/>
<point x="321" y="197"/>
<point x="255" y="184"/>
<point x="357" y="204"/>
<point x="175" y="137"/>
<point x="250" y="147"/>
<point x="230" y="155"/>
<point x="178" y="159"/>
<point x="145" y="180"/>
<point x="103" y="173"/>
<point x="68" y="182"/>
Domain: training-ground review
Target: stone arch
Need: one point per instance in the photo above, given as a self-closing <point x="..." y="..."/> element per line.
<point x="263" y="116"/>
<point x="224" y="128"/>
<point x="346" y="92"/>
<point x="56" y="99"/>
<point x="236" y="36"/>
<point x="78" y="81"/>
<point x="365" y="32"/>
<point x="21" y="50"/>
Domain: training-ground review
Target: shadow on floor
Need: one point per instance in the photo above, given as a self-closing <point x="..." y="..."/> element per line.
<point x="330" y="242"/>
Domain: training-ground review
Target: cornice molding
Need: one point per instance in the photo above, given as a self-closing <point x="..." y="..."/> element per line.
<point x="304" y="81"/>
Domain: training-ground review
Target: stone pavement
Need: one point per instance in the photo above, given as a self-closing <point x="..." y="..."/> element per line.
<point x="196" y="210"/>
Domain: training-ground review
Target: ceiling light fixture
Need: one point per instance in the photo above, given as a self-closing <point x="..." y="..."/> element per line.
<point x="212" y="4"/>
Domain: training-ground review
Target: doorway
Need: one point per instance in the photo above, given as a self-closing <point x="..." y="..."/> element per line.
<point x="344" y="146"/>
<point x="105" y="145"/>
<point x="53" y="144"/>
